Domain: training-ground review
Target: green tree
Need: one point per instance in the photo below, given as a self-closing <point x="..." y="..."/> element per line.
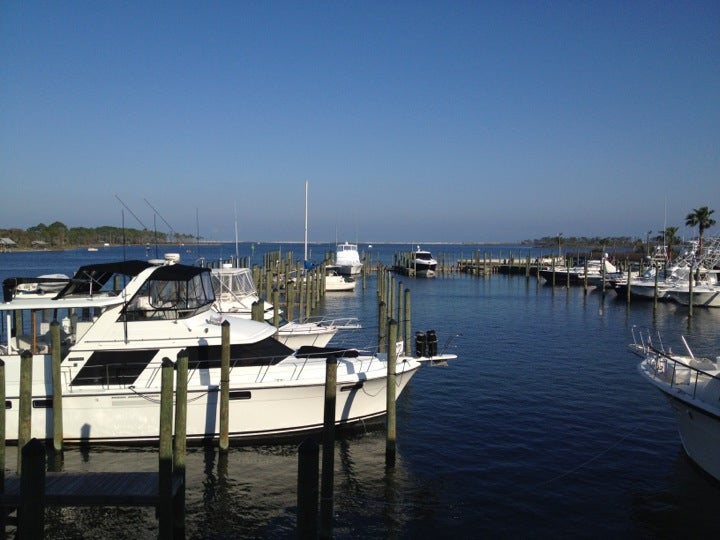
<point x="700" y="218"/>
<point x="57" y="233"/>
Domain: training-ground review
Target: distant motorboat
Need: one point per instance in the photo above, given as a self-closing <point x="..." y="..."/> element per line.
<point x="593" y="272"/>
<point x="347" y="259"/>
<point x="335" y="281"/>
<point x="419" y="263"/>
<point x="692" y="387"/>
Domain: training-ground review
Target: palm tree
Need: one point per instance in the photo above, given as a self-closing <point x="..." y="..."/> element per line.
<point x="700" y="218"/>
<point x="671" y="240"/>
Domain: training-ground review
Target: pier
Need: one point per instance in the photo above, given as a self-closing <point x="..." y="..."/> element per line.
<point x="35" y="488"/>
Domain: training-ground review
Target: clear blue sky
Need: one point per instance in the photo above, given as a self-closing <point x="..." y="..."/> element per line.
<point x="413" y="121"/>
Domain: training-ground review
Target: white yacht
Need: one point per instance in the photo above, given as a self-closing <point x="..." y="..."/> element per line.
<point x="347" y="259"/>
<point x="418" y="263"/>
<point x="120" y="320"/>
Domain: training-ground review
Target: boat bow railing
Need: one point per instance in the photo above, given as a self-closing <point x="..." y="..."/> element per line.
<point x="686" y="374"/>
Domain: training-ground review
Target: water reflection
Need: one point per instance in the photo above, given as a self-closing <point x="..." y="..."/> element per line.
<point x="248" y="492"/>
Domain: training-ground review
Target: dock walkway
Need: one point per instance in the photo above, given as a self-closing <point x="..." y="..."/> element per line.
<point x="93" y="489"/>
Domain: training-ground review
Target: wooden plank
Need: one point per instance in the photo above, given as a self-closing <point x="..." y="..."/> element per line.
<point x="93" y="489"/>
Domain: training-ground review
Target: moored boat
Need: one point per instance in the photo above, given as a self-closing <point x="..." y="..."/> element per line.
<point x="235" y="294"/>
<point x="126" y="317"/>
<point x="418" y="263"/>
<point x="347" y="259"/>
<point x="692" y="387"/>
<point x="595" y="273"/>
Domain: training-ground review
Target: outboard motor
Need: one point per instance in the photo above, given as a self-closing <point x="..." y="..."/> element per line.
<point x="432" y="342"/>
<point x="420" y="344"/>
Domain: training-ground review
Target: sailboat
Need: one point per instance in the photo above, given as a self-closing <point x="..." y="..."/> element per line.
<point x="334" y="280"/>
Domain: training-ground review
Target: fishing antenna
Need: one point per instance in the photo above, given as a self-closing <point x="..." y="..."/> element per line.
<point x="133" y="213"/>
<point x="158" y="213"/>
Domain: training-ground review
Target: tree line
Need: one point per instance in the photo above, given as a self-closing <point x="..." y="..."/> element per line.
<point x="59" y="235"/>
<point x="699" y="217"/>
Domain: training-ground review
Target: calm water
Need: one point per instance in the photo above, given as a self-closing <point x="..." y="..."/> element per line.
<point x="541" y="428"/>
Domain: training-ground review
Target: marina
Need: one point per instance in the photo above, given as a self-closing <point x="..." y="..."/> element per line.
<point x="542" y="426"/>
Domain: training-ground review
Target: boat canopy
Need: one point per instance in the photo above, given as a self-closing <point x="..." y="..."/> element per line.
<point x="175" y="290"/>
<point x="93" y="278"/>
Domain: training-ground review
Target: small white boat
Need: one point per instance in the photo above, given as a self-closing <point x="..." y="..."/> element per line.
<point x="703" y="294"/>
<point x="235" y="294"/>
<point x="32" y="287"/>
<point x="336" y="282"/>
<point x="347" y="259"/>
<point x="595" y="272"/>
<point x="418" y="263"/>
<point x="692" y="387"/>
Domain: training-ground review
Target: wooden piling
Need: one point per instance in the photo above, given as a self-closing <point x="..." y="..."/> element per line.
<point x="290" y="300"/>
<point x="165" y="505"/>
<point x="328" y="454"/>
<point x="25" y="406"/>
<point x="400" y="310"/>
<point x="180" y="442"/>
<point x="57" y="387"/>
<point x="276" y="307"/>
<point x="307" y="489"/>
<point x="408" y="324"/>
<point x="31" y="510"/>
<point x="391" y="439"/>
<point x="655" y="290"/>
<point x="224" y="442"/>
<point x="2" y="432"/>
<point x="382" y="325"/>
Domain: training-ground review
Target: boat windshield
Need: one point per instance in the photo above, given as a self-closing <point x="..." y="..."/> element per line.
<point x="423" y="255"/>
<point x="172" y="292"/>
<point x="235" y="284"/>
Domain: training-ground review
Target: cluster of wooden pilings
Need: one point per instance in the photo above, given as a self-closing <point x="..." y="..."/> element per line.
<point x="35" y="487"/>
<point x="316" y="520"/>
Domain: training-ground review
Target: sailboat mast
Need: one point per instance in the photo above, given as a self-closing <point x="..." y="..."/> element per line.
<point x="237" y="250"/>
<point x="306" y="215"/>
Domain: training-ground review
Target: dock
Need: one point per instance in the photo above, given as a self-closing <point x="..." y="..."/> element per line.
<point x="93" y="489"/>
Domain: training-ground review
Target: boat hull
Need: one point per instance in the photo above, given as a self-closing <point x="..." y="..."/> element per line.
<point x="700" y="434"/>
<point x="693" y="395"/>
<point x="271" y="409"/>
<point x="703" y="297"/>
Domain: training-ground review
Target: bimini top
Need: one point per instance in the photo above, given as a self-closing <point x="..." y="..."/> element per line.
<point x="93" y="277"/>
